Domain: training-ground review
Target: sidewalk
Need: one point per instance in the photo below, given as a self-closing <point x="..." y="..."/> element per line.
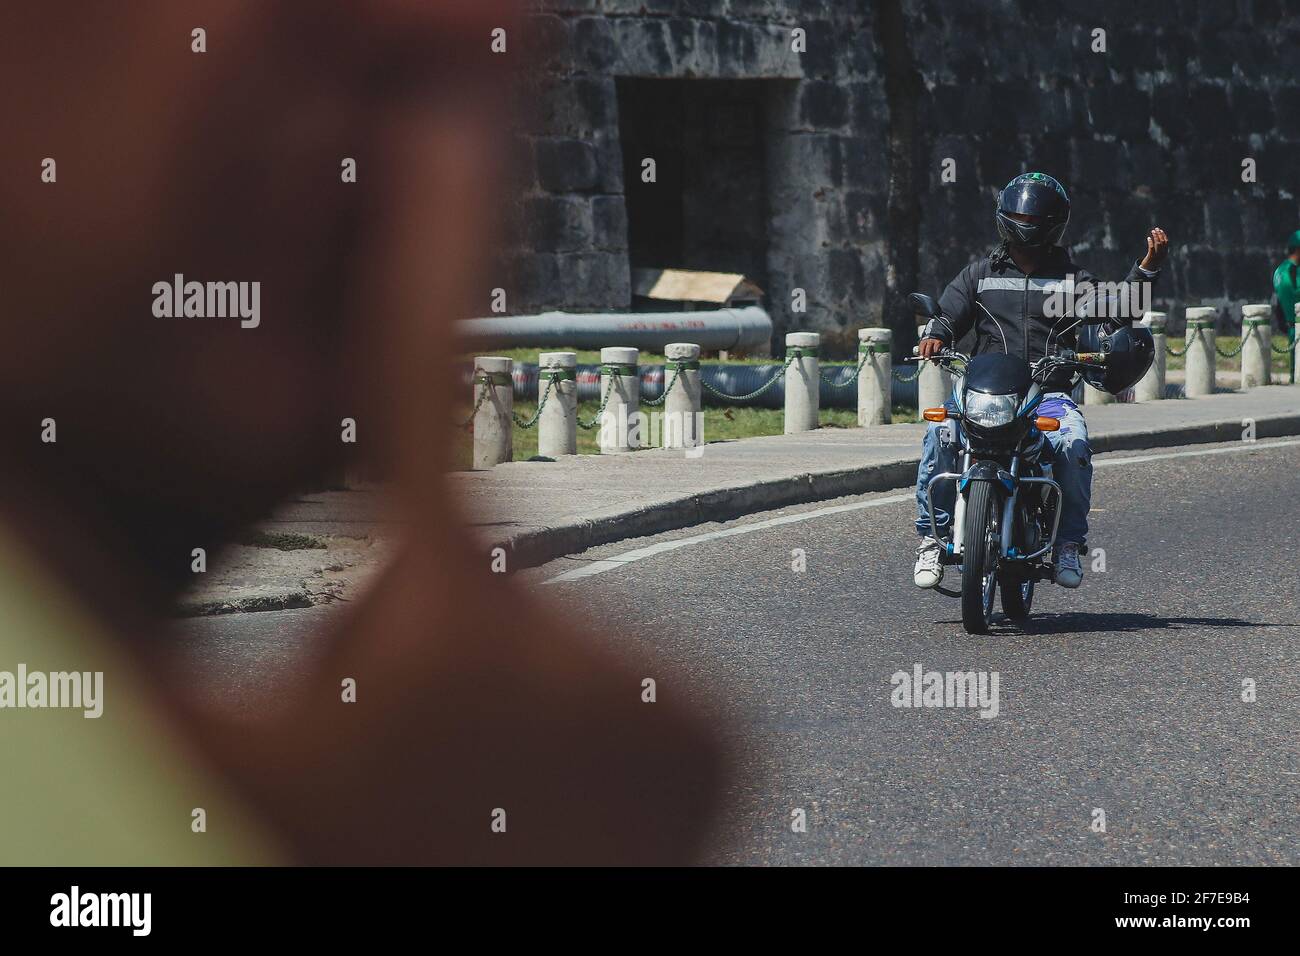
<point x="541" y="510"/>
<point x="316" y="549"/>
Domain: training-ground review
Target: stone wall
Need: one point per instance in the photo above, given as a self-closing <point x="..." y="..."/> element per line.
<point x="1153" y="131"/>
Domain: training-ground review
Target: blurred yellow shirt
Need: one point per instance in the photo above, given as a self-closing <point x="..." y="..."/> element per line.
<point x="118" y="789"/>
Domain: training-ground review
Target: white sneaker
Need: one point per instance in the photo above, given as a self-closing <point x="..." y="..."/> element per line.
<point x="1069" y="572"/>
<point x="929" y="570"/>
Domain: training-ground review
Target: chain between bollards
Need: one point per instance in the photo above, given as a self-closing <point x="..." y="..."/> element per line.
<point x="1234" y="353"/>
<point x="791" y="355"/>
<point x="485" y="381"/>
<point x="551" y="376"/>
<point x="677" y="368"/>
<point x="1196" y="334"/>
<point x="614" y="371"/>
<point x="852" y="379"/>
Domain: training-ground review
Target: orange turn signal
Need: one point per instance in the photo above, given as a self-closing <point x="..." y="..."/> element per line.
<point x="935" y="414"/>
<point x="1046" y="424"/>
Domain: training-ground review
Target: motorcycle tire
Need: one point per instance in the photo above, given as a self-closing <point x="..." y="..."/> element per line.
<point x="1017" y="599"/>
<point x="1018" y="594"/>
<point x="979" y="561"/>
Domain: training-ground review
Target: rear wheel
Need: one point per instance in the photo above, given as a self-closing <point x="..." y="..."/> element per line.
<point x="1017" y="599"/>
<point x="979" y="561"/>
<point x="1018" y="591"/>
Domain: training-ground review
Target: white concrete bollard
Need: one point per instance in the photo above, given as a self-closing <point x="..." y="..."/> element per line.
<point x="494" y="396"/>
<point x="683" y="425"/>
<point x="1256" y="345"/>
<point x="557" y="427"/>
<point x="875" y="380"/>
<point x="1152" y="386"/>
<point x="802" y="383"/>
<point x="620" y="422"/>
<point x="1097" y="396"/>
<point x="1199" y="369"/>
<point x="933" y="384"/>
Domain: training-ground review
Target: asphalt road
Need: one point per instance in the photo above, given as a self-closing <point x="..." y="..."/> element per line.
<point x="1124" y="696"/>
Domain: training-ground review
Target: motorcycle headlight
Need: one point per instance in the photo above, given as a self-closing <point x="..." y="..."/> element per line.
<point x="990" y="411"/>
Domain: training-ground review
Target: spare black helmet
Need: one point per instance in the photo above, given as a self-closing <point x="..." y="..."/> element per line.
<point x="1130" y="350"/>
<point x="1037" y="195"/>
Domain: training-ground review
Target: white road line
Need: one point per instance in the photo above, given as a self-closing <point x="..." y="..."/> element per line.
<point x="627" y="557"/>
<point x="640" y="554"/>
<point x="1234" y="449"/>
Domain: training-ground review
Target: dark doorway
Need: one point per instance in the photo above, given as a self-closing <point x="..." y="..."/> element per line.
<point x="707" y="208"/>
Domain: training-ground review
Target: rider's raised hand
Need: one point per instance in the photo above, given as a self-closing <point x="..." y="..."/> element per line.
<point x="1157" y="249"/>
<point x="929" y="347"/>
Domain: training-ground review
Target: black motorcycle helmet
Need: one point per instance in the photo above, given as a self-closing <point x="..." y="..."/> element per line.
<point x="1130" y="350"/>
<point x="1037" y="195"/>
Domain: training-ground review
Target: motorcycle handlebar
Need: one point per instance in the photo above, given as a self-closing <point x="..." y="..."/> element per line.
<point x="951" y="355"/>
<point x="1064" y="357"/>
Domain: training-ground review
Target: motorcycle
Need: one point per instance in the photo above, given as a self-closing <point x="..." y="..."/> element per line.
<point x="1008" y="507"/>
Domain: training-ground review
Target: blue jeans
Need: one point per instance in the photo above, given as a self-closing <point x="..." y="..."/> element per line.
<point x="1068" y="452"/>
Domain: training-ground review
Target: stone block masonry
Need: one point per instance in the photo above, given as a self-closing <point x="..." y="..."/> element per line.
<point x="777" y="162"/>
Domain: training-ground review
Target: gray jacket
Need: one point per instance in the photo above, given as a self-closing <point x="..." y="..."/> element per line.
<point x="1031" y="315"/>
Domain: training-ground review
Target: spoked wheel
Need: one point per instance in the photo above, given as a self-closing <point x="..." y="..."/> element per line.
<point x="979" y="561"/>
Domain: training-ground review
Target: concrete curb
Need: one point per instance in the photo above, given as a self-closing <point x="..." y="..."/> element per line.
<point x="535" y="547"/>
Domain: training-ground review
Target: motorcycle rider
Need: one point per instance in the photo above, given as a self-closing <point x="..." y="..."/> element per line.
<point x="1011" y="299"/>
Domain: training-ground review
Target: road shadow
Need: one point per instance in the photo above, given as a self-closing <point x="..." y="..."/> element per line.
<point x="1078" y="622"/>
<point x="1081" y="622"/>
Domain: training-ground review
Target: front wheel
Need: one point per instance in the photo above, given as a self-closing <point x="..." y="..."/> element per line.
<point x="979" y="562"/>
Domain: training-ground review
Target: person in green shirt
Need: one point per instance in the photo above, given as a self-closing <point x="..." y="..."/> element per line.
<point x="1286" y="286"/>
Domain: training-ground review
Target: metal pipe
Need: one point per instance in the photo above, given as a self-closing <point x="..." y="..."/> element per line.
<point x="929" y="507"/>
<point x="747" y="330"/>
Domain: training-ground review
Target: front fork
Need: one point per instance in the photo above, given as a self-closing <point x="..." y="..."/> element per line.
<point x="1012" y="482"/>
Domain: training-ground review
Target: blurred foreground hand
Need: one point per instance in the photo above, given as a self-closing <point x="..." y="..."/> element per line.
<point x="172" y="433"/>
